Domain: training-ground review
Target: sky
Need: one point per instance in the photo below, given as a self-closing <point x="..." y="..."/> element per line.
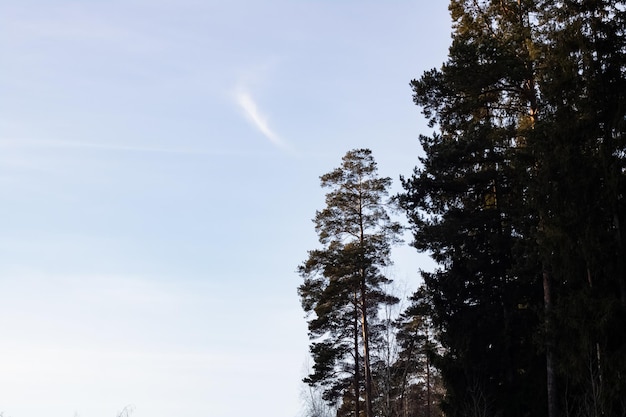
<point x="159" y="170"/>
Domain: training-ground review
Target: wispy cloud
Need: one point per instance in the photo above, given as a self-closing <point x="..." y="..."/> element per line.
<point x="248" y="105"/>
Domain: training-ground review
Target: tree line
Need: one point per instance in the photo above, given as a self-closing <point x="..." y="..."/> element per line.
<point x="519" y="198"/>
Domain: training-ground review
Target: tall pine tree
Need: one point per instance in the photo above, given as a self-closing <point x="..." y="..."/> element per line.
<point x="343" y="283"/>
<point x="578" y="191"/>
<point x="466" y="206"/>
<point x="520" y="199"/>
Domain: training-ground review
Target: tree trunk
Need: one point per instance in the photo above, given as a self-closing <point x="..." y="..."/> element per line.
<point x="357" y="382"/>
<point x="427" y="386"/>
<point x="366" y="345"/>
<point x="620" y="246"/>
<point x="550" y="374"/>
<point x="366" y="350"/>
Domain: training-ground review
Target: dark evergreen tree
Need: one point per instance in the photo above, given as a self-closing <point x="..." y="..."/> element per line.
<point x="578" y="190"/>
<point x="418" y="385"/>
<point x="520" y="200"/>
<point x="466" y="206"/>
<point x="342" y="289"/>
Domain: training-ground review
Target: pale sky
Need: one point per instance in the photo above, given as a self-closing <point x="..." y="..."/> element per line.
<point x="159" y="170"/>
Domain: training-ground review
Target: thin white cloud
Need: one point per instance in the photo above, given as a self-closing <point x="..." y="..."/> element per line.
<point x="251" y="110"/>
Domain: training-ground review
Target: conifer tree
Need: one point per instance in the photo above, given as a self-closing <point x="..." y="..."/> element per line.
<point x="520" y="199"/>
<point x="466" y="206"/>
<point x="578" y="191"/>
<point x="342" y="289"/>
<point x="418" y="386"/>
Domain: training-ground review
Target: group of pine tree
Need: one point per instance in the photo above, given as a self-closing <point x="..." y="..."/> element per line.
<point x="520" y="199"/>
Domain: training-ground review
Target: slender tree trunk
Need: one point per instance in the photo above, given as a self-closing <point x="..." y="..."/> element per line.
<point x="531" y="95"/>
<point x="366" y="350"/>
<point x="364" y="322"/>
<point x="357" y="379"/>
<point x="620" y="246"/>
<point x="427" y="386"/>
<point x="550" y="374"/>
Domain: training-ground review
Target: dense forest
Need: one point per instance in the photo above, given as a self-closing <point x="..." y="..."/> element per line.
<point x="519" y="198"/>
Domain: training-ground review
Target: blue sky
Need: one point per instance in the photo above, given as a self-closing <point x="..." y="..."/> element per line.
<point x="159" y="170"/>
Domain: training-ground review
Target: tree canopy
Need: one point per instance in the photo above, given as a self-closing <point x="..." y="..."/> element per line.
<point x="519" y="198"/>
